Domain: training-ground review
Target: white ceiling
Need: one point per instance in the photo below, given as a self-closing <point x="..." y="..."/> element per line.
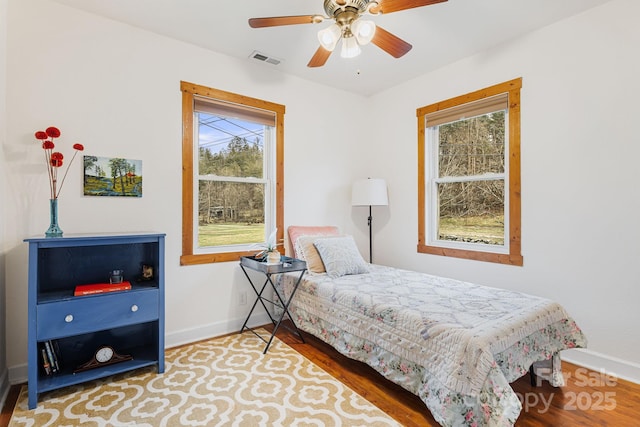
<point x="440" y="33"/>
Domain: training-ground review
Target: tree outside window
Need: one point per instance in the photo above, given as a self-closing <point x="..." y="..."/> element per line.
<point x="469" y="175"/>
<point x="232" y="179"/>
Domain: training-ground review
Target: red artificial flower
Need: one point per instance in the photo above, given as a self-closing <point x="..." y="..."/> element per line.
<point x="53" y="132"/>
<point x="55" y="160"/>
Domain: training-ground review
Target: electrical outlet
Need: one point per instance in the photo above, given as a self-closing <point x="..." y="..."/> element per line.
<point x="243" y="298"/>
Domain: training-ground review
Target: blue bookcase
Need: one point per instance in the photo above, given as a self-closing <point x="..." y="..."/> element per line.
<point x="131" y="322"/>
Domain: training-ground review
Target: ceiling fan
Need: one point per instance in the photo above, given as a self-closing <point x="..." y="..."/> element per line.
<point x="349" y="27"/>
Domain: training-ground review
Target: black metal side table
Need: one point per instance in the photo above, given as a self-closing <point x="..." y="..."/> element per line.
<point x="286" y="265"/>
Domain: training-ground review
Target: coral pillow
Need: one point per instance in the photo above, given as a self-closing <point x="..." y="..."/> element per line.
<point x="295" y="231"/>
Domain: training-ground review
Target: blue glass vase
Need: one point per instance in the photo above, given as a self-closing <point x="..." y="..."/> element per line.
<point x="54" y="229"/>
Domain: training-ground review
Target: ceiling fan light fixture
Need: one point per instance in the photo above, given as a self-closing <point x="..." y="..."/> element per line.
<point x="329" y="37"/>
<point x="350" y="48"/>
<point x="363" y="30"/>
<point x="349" y="27"/>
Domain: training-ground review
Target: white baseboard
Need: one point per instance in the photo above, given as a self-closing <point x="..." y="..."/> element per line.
<point x="19" y="374"/>
<point x="187" y="336"/>
<point x="589" y="359"/>
<point x="619" y="368"/>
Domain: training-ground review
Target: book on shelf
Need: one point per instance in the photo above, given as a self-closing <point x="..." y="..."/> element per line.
<point x="56" y="353"/>
<point x="98" y="288"/>
<point x="50" y="357"/>
<point x="52" y="363"/>
<point x="46" y="365"/>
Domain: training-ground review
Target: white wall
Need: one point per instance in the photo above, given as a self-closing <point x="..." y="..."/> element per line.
<point x="580" y="151"/>
<point x="115" y="89"/>
<point x="3" y="126"/>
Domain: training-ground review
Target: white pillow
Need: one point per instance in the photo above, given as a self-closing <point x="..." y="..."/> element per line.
<point x="340" y="256"/>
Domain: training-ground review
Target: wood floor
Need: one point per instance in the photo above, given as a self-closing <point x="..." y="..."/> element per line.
<point x="588" y="399"/>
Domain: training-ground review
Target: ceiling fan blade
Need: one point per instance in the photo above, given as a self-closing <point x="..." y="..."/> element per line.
<point x="391" y="44"/>
<point x="388" y="6"/>
<point x="284" y="20"/>
<point x="319" y="58"/>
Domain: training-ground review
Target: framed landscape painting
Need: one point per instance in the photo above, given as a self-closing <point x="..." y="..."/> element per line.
<point x="112" y="176"/>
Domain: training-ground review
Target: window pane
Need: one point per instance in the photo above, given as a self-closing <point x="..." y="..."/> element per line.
<point x="232" y="171"/>
<point x="230" y="147"/>
<point x="230" y="213"/>
<point x="473" y="146"/>
<point x="472" y="212"/>
<point x="469" y="175"/>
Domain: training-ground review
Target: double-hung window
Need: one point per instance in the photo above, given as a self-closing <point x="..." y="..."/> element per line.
<point x="232" y="174"/>
<point x="469" y="175"/>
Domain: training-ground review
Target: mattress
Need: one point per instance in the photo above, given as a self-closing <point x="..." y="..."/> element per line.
<point x="457" y="345"/>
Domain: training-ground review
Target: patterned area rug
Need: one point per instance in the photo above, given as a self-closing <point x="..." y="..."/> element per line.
<point x="220" y="382"/>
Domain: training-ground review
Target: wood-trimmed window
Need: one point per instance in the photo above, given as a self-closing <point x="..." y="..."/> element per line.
<point x="469" y="172"/>
<point x="204" y="106"/>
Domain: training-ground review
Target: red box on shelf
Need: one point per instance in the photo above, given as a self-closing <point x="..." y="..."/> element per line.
<point x="99" y="288"/>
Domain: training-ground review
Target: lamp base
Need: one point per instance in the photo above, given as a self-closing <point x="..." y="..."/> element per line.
<point x="370" y="238"/>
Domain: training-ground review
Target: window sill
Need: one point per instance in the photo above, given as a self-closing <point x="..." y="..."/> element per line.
<point x="508" y="259"/>
<point x="212" y="258"/>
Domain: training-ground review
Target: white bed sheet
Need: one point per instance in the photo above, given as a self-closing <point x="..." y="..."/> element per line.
<point x="455" y="344"/>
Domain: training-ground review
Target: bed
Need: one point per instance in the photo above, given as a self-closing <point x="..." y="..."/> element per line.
<point x="456" y="345"/>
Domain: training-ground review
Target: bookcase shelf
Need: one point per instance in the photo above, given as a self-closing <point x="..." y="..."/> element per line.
<point x="142" y="356"/>
<point x="67" y="294"/>
<point x="130" y="321"/>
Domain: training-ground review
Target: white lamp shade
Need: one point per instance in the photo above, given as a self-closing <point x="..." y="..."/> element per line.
<point x="363" y="30"/>
<point x="350" y="47"/>
<point x="329" y="37"/>
<point x="369" y="192"/>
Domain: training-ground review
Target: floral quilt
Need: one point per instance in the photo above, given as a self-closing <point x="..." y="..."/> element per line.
<point x="455" y="344"/>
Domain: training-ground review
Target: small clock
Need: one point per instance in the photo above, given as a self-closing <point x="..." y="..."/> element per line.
<point x="104" y="355"/>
